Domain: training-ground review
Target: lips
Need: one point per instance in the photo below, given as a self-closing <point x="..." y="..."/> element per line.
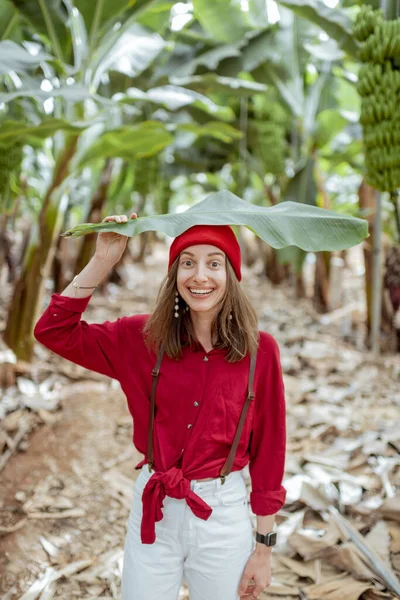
<point x="200" y="295"/>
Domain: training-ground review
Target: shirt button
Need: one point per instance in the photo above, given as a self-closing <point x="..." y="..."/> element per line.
<point x="195" y="403"/>
<point x="189" y="425"/>
<point x="205" y="358"/>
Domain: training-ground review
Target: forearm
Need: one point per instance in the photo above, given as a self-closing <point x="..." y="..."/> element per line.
<point x="91" y="275"/>
<point x="265" y="524"/>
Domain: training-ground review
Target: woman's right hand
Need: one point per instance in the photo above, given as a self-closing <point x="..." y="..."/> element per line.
<point x="110" y="246"/>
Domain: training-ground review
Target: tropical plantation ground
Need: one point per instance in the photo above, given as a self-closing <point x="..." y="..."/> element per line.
<point x="66" y="490"/>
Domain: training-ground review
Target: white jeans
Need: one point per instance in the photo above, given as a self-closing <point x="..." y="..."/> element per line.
<point x="209" y="555"/>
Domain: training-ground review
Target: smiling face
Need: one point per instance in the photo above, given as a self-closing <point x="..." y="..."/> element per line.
<point x="202" y="267"/>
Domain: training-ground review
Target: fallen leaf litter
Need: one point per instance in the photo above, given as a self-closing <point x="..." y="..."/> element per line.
<point x="339" y="532"/>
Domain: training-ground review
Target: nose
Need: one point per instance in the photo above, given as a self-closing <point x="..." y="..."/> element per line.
<point x="200" y="274"/>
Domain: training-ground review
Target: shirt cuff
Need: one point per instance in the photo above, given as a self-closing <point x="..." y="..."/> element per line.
<point x="78" y="305"/>
<point x="267" y="503"/>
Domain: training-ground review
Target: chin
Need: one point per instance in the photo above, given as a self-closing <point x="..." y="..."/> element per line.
<point x="200" y="309"/>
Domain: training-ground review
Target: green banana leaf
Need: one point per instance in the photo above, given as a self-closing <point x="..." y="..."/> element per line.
<point x="224" y="20"/>
<point x="72" y="93"/>
<point x="49" y="19"/>
<point x="286" y="224"/>
<point x="335" y="22"/>
<point x="220" y="131"/>
<point x="173" y="98"/>
<point x="9" y="21"/>
<point x="210" y="82"/>
<point x="129" y="142"/>
<point x="12" y="131"/>
<point x="15" y="58"/>
<point x="131" y="49"/>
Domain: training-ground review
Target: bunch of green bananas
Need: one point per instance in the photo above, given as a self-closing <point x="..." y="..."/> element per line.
<point x="268" y="134"/>
<point x="145" y="174"/>
<point x="10" y="161"/>
<point x="383" y="43"/>
<point x="366" y="21"/>
<point x="379" y="88"/>
<point x="385" y="136"/>
<point x="271" y="146"/>
<point x="384" y="76"/>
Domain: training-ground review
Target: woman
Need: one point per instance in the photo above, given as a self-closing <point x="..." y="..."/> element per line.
<point x="205" y="391"/>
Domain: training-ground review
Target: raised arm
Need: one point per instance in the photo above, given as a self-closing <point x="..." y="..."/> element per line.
<point x="96" y="346"/>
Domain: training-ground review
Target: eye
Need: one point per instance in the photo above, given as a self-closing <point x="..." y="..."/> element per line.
<point x="216" y="262"/>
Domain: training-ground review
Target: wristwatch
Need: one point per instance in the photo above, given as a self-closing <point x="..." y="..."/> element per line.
<point x="269" y="539"/>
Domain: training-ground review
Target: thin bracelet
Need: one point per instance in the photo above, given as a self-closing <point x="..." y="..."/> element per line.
<point x="81" y="287"/>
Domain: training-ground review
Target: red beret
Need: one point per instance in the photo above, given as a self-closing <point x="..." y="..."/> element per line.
<point x="221" y="236"/>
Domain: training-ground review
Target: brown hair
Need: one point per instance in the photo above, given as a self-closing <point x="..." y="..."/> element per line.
<point x="239" y="335"/>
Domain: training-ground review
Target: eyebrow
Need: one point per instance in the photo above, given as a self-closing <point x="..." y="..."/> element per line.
<point x="209" y="254"/>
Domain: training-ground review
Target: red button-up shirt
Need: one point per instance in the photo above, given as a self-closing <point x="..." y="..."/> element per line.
<point x="199" y="399"/>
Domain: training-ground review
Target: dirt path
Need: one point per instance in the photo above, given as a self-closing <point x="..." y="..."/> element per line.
<point x="69" y="458"/>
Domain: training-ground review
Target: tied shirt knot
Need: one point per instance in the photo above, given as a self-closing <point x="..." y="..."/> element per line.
<point x="170" y="483"/>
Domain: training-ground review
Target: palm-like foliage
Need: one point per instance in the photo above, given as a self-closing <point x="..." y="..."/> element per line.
<point x="119" y="82"/>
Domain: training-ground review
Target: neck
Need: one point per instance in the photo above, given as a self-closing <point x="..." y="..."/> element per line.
<point x="202" y="326"/>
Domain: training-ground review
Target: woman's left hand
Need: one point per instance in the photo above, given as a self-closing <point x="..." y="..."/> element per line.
<point x="258" y="568"/>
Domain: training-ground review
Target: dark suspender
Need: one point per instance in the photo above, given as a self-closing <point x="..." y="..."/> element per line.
<point x="226" y="469"/>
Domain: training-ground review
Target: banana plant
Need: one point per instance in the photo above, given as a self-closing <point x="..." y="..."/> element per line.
<point x="79" y="48"/>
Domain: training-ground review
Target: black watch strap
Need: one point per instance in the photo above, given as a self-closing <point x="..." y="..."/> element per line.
<point x="268" y="539"/>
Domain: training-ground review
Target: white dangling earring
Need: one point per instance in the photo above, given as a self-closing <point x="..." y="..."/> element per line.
<point x="230" y="317"/>
<point x="187" y="308"/>
<point x="176" y="314"/>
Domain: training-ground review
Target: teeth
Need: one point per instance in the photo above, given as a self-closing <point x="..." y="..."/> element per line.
<point x="203" y="293"/>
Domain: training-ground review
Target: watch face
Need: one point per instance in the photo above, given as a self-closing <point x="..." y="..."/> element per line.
<point x="269" y="539"/>
<point x="272" y="539"/>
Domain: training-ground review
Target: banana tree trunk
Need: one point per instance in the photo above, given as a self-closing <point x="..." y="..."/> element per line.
<point x="367" y="203"/>
<point x="95" y="213"/>
<point x="27" y="294"/>
<point x="147" y="236"/>
<point x="323" y="259"/>
<point x="366" y="199"/>
<point x="5" y="248"/>
<point x="321" y="282"/>
<point x="275" y="271"/>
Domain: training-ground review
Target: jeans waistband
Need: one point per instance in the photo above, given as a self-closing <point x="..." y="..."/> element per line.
<point x="212" y="485"/>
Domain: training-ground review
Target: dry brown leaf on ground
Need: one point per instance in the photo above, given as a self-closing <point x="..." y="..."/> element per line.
<point x="394" y="531"/>
<point x="346" y="558"/>
<point x="65" y="514"/>
<point x="379" y="539"/>
<point x="302" y="569"/>
<point x="376" y="595"/>
<point x="13" y="528"/>
<point x="311" y="543"/>
<point x="39" y="585"/>
<point x="49" y="591"/>
<point x="281" y="590"/>
<point x="396" y="563"/>
<point x="120" y="487"/>
<point x="281" y="572"/>
<point x="383" y="571"/>
<point x="344" y="587"/>
<point x="286" y="529"/>
<point x="390" y="509"/>
<point x="302" y="488"/>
